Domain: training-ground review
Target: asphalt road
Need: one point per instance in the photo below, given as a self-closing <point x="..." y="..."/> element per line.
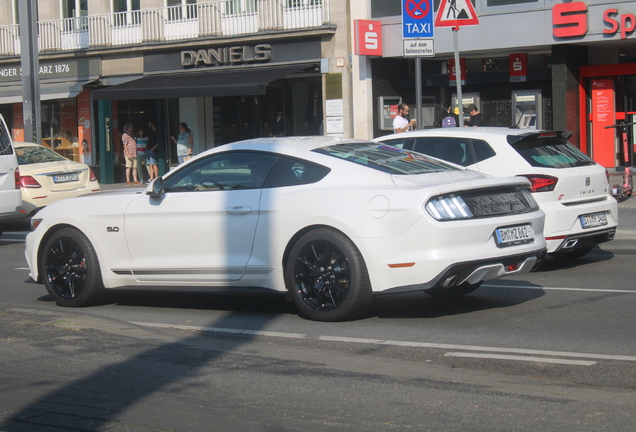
<point x="551" y="350"/>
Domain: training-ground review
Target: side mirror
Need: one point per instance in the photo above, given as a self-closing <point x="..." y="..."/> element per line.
<point x="156" y="188"/>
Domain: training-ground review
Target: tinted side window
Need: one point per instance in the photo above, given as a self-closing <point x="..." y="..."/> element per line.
<point x="291" y="172"/>
<point x="483" y="150"/>
<point x="5" y="140"/>
<point x="456" y="150"/>
<point x="224" y="171"/>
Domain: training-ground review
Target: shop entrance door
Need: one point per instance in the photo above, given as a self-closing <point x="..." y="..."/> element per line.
<point x="609" y="101"/>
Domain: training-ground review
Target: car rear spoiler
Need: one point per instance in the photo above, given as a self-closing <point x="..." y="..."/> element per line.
<point x="565" y="135"/>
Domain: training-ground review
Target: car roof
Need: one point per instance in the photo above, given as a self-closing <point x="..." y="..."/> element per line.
<point x="25" y="144"/>
<point x="470" y="132"/>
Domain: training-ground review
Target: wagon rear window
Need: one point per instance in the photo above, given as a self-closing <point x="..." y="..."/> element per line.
<point x="551" y="153"/>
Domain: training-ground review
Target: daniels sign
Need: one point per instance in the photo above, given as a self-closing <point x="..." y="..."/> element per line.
<point x="571" y="20"/>
<point x="227" y="55"/>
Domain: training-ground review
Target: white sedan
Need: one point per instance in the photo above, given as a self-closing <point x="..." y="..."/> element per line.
<point x="46" y="176"/>
<point x="571" y="189"/>
<point x="329" y="221"/>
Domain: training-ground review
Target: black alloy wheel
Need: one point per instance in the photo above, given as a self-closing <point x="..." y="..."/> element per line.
<point x="327" y="278"/>
<point x="71" y="270"/>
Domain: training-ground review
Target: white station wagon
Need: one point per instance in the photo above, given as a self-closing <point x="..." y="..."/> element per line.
<point x="572" y="190"/>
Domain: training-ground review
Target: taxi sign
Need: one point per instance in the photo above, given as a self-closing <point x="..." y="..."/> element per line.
<point x="417" y="18"/>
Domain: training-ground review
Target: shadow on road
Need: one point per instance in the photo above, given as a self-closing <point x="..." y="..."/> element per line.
<point x="95" y="402"/>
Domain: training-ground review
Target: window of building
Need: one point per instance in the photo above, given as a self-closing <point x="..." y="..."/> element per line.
<point x="186" y="10"/>
<point x="233" y="7"/>
<point x="508" y="2"/>
<point x="125" y="5"/>
<point x="74" y="8"/>
<point x="383" y="8"/>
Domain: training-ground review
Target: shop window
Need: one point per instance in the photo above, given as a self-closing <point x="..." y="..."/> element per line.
<point x="497" y="64"/>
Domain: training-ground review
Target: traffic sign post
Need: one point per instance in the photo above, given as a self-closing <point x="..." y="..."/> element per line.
<point x="456" y="13"/>
<point x="417" y="23"/>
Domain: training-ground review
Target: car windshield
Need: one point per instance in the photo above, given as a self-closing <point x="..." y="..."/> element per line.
<point x="36" y="154"/>
<point x="386" y="158"/>
<point x="551" y="153"/>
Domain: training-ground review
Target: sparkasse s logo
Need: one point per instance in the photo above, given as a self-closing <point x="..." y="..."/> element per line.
<point x="569" y="19"/>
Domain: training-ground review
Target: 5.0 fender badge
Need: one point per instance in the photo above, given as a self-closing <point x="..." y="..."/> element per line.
<point x="112" y="229"/>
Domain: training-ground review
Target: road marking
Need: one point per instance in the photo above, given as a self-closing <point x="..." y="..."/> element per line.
<point x="392" y="342"/>
<point x="559" y="288"/>
<point x="520" y="358"/>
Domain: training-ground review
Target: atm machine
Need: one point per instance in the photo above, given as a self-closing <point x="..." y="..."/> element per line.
<point x="527" y="110"/>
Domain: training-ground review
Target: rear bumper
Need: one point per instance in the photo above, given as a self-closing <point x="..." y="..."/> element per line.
<point x="479" y="271"/>
<point x="581" y="240"/>
<point x="19" y="215"/>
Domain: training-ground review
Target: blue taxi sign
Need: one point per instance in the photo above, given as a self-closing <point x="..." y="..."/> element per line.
<point x="417" y="18"/>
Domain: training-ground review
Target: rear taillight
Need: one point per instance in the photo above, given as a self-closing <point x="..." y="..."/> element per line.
<point x="16" y="176"/>
<point x="29" y="182"/>
<point x="93" y="177"/>
<point x="541" y="183"/>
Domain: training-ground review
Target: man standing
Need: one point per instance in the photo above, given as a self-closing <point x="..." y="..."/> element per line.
<point x="476" y="118"/>
<point x="401" y="122"/>
<point x="130" y="154"/>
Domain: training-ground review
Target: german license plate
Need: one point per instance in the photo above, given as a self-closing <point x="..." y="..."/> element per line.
<point x="514" y="235"/>
<point x="593" y="220"/>
<point x="63" y="178"/>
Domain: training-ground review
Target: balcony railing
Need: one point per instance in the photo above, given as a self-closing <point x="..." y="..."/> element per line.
<point x="192" y="21"/>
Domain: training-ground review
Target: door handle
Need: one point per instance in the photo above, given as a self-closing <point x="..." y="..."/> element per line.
<point x="237" y="210"/>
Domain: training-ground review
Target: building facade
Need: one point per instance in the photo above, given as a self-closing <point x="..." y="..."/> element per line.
<point x="530" y="64"/>
<point x="235" y="69"/>
<point x="230" y="69"/>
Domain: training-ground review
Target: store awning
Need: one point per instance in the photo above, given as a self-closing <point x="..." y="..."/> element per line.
<point x="211" y="83"/>
<point x="48" y="91"/>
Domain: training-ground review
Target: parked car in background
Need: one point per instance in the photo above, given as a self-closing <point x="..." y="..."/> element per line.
<point x="46" y="176"/>
<point x="331" y="222"/>
<point x="11" y="209"/>
<point x="571" y="188"/>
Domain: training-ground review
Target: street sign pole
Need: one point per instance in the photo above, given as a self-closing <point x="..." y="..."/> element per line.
<point x="30" y="70"/>
<point x="458" y="76"/>
<point x="418" y="91"/>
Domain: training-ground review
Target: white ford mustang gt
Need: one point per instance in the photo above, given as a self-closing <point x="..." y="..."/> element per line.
<point x="331" y="222"/>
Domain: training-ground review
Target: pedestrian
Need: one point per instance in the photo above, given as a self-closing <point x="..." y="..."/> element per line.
<point x="476" y="118"/>
<point x="447" y="118"/>
<point x="130" y="154"/>
<point x="184" y="142"/>
<point x="401" y="121"/>
<point x="142" y="145"/>
<point x="152" y="152"/>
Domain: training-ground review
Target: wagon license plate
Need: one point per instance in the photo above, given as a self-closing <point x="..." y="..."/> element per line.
<point x="593" y="220"/>
<point x="63" y="178"/>
<point x="514" y="235"/>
